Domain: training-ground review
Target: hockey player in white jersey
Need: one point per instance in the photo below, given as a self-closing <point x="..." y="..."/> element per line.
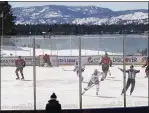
<point x="96" y="77"/>
<point x="76" y="69"/>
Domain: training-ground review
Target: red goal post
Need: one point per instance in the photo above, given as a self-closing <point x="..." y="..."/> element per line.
<point x="53" y="60"/>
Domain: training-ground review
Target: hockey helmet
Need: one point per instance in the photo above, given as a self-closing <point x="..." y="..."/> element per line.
<point x="106" y="54"/>
<point x="77" y="62"/>
<point x="96" y="71"/>
<point x="131" y="66"/>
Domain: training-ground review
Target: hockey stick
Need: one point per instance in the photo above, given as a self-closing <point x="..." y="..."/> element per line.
<point x="66" y="70"/>
<point x="109" y="72"/>
<point x="88" y="89"/>
<point x="119" y="68"/>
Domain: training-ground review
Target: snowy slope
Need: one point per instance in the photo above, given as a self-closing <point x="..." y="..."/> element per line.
<point x="139" y="17"/>
<point x="25" y="51"/>
<point x="52" y="14"/>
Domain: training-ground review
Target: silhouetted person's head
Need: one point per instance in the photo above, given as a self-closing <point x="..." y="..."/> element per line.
<point x="53" y="96"/>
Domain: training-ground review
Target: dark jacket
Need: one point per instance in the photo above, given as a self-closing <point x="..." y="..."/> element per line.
<point x="131" y="73"/>
<point x="53" y="106"/>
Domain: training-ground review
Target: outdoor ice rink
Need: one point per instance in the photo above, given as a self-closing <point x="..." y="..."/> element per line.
<point x="18" y="95"/>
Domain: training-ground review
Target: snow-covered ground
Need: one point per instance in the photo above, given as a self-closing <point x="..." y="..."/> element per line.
<point x="18" y="94"/>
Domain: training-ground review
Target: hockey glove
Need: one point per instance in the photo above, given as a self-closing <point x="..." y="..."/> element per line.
<point x="24" y="65"/>
<point x="102" y="79"/>
<point x="100" y="63"/>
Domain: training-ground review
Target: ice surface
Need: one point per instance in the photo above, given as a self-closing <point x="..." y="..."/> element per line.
<point x="18" y="94"/>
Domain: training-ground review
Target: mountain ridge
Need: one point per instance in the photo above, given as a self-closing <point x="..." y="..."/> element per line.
<point x="61" y="14"/>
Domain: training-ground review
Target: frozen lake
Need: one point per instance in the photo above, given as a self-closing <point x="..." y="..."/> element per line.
<point x="110" y="43"/>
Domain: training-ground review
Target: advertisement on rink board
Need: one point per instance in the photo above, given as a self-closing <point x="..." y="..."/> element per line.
<point x="10" y="61"/>
<point x="118" y="60"/>
<point x="93" y="60"/>
<point x="136" y="60"/>
<point x="70" y="60"/>
<point x="66" y="60"/>
<point x="128" y="59"/>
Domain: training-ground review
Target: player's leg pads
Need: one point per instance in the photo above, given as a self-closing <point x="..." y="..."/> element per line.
<point x="21" y="70"/>
<point x="103" y="68"/>
<point x="90" y="83"/>
<point x="82" y="70"/>
<point x="17" y="69"/>
<point x="107" y="68"/>
<point x="97" y="87"/>
<point x="77" y="73"/>
<point x="132" y="85"/>
<point x="147" y="71"/>
<point x="127" y="85"/>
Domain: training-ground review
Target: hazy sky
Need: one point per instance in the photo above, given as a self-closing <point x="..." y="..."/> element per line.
<point x="111" y="5"/>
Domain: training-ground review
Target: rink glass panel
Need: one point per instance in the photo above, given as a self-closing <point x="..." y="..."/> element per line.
<point x="54" y="79"/>
<point x="16" y="94"/>
<point x="137" y="45"/>
<point x="109" y="89"/>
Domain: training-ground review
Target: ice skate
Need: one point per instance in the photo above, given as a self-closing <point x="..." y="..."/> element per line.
<point x="130" y="94"/>
<point x="85" y="89"/>
<point x="96" y="93"/>
<point x="17" y="78"/>
<point x="82" y="79"/>
<point x="83" y="92"/>
<point x="22" y="78"/>
<point x="122" y="93"/>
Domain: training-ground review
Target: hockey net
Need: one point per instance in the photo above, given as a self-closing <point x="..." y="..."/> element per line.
<point x="53" y="60"/>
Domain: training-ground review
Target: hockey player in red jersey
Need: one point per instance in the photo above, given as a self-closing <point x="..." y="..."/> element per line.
<point x="147" y="67"/>
<point x="20" y="64"/>
<point x="106" y="63"/>
<point x="46" y="59"/>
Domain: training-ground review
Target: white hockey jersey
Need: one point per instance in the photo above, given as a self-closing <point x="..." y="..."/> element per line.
<point x="97" y="77"/>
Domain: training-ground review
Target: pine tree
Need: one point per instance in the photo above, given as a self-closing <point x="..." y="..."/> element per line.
<point x="8" y="19"/>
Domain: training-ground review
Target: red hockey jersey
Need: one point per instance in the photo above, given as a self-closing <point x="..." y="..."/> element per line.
<point x="20" y="63"/>
<point x="46" y="57"/>
<point x="106" y="60"/>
